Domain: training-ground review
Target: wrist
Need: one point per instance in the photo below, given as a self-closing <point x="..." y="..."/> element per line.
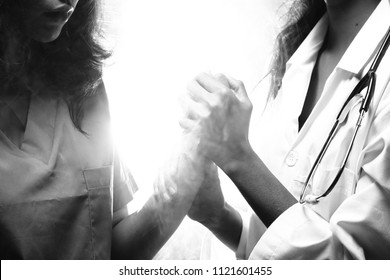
<point x="244" y="156"/>
<point x="217" y="217"/>
<point x="227" y="226"/>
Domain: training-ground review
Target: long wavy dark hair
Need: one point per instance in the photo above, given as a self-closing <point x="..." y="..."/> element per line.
<point x="300" y="19"/>
<point x="70" y="66"/>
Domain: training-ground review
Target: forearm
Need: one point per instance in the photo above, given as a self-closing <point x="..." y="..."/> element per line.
<point x="226" y="226"/>
<point x="262" y="190"/>
<point x="142" y="234"/>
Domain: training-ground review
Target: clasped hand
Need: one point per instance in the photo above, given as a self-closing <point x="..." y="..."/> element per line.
<point x="217" y="114"/>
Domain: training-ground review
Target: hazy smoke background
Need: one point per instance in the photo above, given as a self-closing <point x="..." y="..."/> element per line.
<point x="159" y="46"/>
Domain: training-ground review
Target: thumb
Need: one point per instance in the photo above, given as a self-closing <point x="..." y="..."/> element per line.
<point x="238" y="87"/>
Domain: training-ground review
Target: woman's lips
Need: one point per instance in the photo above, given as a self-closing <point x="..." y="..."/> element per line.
<point x="59" y="14"/>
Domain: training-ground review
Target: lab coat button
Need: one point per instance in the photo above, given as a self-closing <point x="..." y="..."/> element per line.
<point x="292" y="158"/>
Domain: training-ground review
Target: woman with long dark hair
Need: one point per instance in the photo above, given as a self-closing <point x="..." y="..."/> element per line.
<point x="63" y="191"/>
<point x="315" y="169"/>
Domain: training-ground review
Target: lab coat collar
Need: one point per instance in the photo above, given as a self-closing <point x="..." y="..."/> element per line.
<point x="360" y="51"/>
<point x="311" y="45"/>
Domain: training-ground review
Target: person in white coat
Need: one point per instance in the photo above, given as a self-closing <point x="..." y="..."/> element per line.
<point x="320" y="56"/>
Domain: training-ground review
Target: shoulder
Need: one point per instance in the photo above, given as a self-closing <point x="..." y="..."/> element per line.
<point x="96" y="113"/>
<point x="98" y="102"/>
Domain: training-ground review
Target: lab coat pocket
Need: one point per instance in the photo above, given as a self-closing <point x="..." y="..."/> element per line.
<point x="98" y="182"/>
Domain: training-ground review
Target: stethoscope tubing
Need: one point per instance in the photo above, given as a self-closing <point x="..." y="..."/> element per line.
<point x="369" y="81"/>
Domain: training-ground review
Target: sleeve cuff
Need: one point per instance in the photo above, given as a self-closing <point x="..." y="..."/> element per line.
<point x="299" y="233"/>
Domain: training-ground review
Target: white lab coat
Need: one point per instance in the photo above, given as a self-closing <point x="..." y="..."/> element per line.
<point x="353" y="222"/>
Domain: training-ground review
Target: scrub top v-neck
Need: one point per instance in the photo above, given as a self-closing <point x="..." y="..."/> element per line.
<point x="60" y="188"/>
<point x="13" y="117"/>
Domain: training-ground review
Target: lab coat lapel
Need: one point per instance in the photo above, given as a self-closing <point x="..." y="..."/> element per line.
<point x="298" y="74"/>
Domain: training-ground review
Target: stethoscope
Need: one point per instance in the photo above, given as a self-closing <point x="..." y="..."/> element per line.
<point x="368" y="81"/>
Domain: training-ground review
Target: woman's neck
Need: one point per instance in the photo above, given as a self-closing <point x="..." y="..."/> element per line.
<point x="346" y="17"/>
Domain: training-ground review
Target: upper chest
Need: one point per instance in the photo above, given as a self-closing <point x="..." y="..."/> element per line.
<point x="325" y="64"/>
<point x="53" y="153"/>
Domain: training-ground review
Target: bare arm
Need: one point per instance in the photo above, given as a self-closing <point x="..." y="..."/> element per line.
<point x="262" y="190"/>
<point x="142" y="234"/>
<point x="227" y="227"/>
<point x="210" y="209"/>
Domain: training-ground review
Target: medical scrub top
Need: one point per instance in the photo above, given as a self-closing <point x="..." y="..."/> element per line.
<point x="60" y="189"/>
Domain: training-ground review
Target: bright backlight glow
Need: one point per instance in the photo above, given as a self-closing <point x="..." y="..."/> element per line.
<point x="161" y="45"/>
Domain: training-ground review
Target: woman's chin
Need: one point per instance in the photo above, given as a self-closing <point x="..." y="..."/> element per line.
<point x="46" y="36"/>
